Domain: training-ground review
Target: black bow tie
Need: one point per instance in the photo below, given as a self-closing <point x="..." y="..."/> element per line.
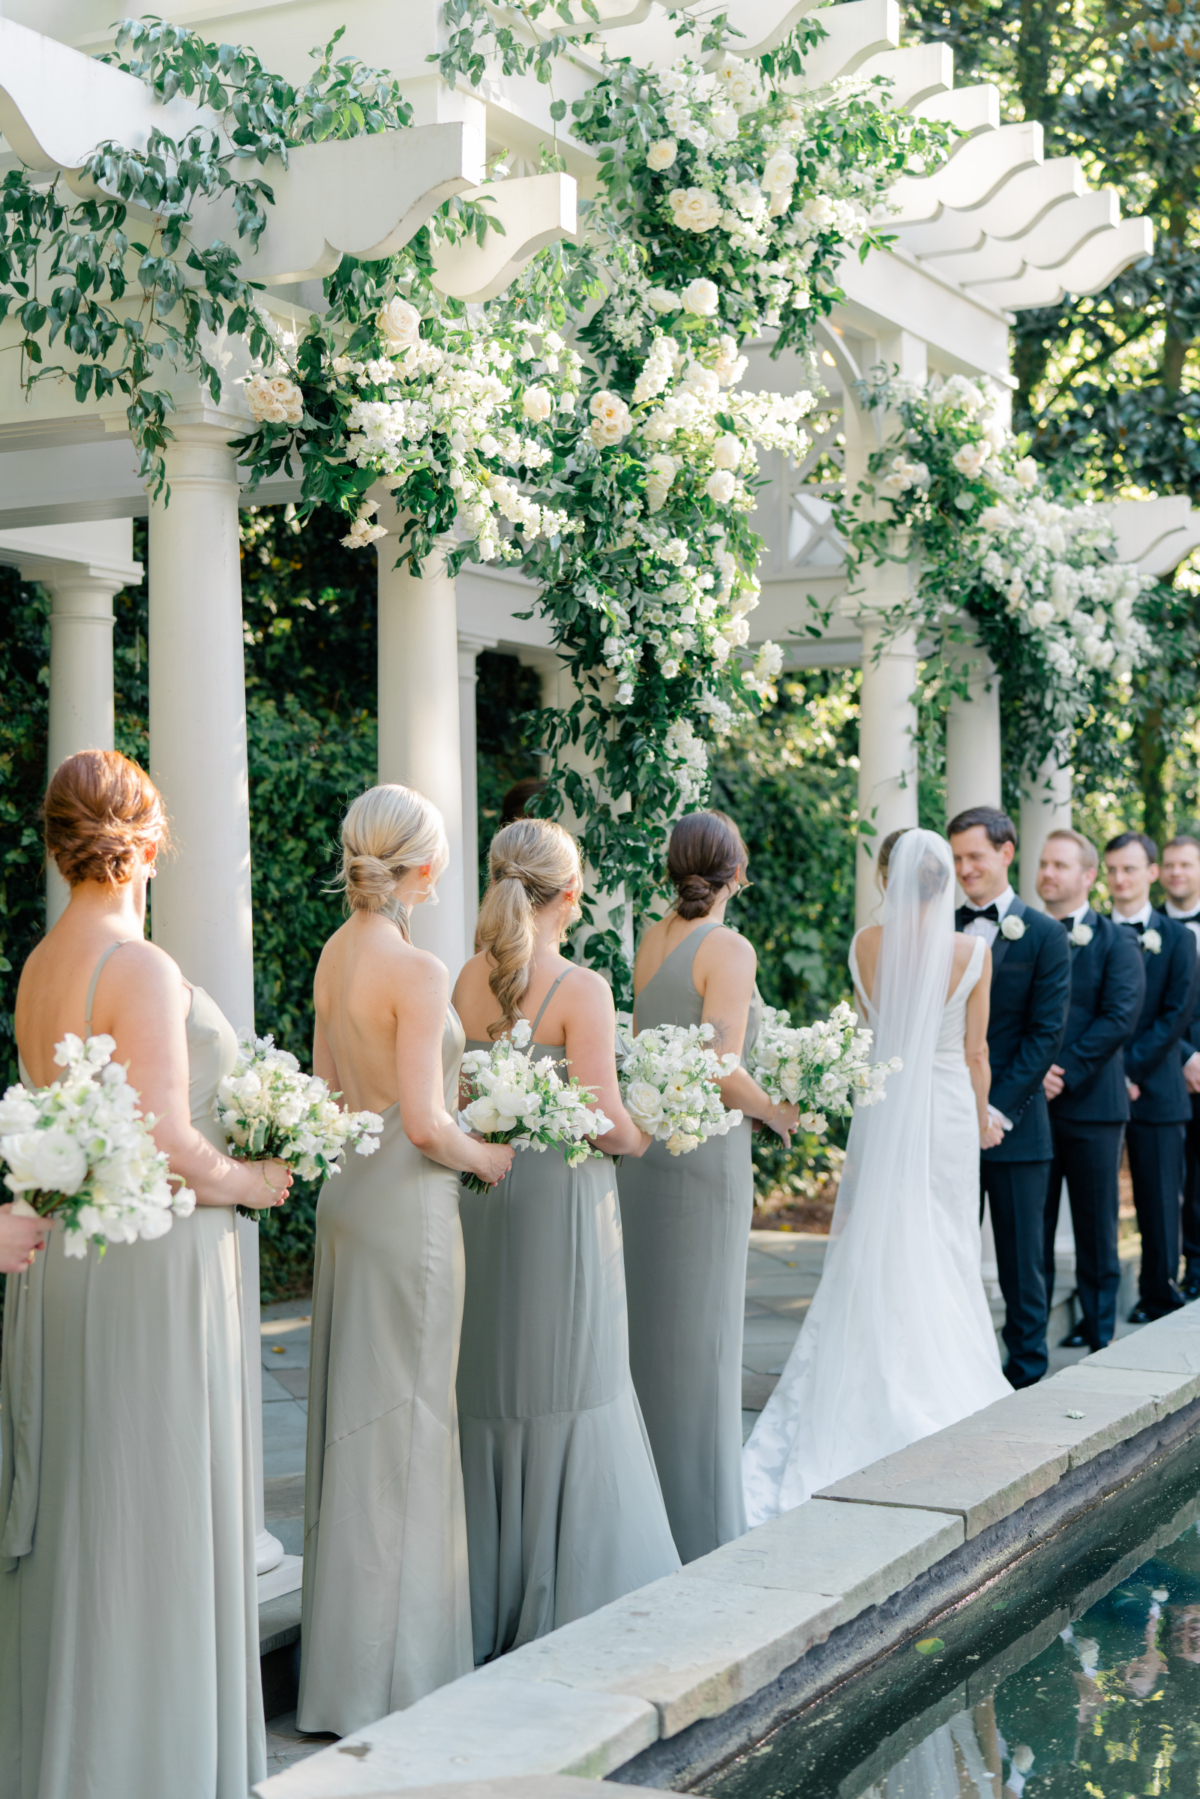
<point x="1186" y="918"/>
<point x="965" y="914"/>
<point x="1132" y="924"/>
<point x="1068" y="923"/>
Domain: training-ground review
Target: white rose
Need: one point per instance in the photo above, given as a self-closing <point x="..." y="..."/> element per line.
<point x="644" y="1105"/>
<point x="695" y="209"/>
<point x="662" y="154"/>
<point x="725" y="123"/>
<point x="482" y="1115"/>
<point x="610" y="419"/>
<point x="1026" y="472"/>
<point x="17" y="1111"/>
<point x="399" y="324"/>
<point x="968" y="459"/>
<point x="57" y="1163"/>
<point x="1081" y="935"/>
<point x="1151" y="943"/>
<point x="819" y="212"/>
<point x="537" y="403"/>
<point x="780" y="173"/>
<point x="720" y="486"/>
<point x="1041" y="614"/>
<point x="663" y="300"/>
<point x="1012" y="927"/>
<point x="727" y="451"/>
<point x="701" y="297"/>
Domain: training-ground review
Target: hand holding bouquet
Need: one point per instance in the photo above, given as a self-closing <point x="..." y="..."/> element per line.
<point x="268" y="1107"/>
<point x="823" y="1068"/>
<point x="82" y="1151"/>
<point x="669" y="1082"/>
<point x="512" y="1099"/>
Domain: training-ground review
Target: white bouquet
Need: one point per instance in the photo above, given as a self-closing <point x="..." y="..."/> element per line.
<point x="669" y="1084"/>
<point x="268" y="1106"/>
<point x="82" y="1151"/>
<point x="512" y="1099"/>
<point x="822" y="1068"/>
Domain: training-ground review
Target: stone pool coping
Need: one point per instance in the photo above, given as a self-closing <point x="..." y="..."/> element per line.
<point x="663" y="1685"/>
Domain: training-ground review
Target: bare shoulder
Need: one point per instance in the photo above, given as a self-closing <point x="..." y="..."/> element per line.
<point x="588" y="993"/>
<point x="868" y="937"/>
<point x="730" y="947"/>
<point x="143" y="968"/>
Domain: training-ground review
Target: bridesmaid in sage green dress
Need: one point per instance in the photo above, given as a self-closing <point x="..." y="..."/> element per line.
<point x="128" y="1599"/>
<point x="564" y="1510"/>
<point x="386" y="1612"/>
<point x="687" y="1218"/>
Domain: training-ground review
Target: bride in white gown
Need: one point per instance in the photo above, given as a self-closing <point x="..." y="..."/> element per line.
<point x="899" y="1340"/>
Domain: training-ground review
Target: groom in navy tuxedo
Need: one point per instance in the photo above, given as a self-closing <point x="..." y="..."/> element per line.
<point x="1031" y="987"/>
<point x="1161" y="1105"/>
<point x="1085" y="1085"/>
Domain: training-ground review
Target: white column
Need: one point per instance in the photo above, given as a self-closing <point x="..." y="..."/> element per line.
<point x="200" y="905"/>
<point x="419" y="740"/>
<point x="887" y="750"/>
<point x="468" y="685"/>
<point x="1045" y="807"/>
<point x="973" y="733"/>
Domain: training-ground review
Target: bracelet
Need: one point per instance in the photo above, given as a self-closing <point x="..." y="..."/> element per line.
<point x="270" y="1189"/>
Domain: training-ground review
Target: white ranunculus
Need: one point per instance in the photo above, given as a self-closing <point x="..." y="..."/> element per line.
<point x="17" y="1112"/>
<point x="780" y="173"/>
<point x="695" y="209"/>
<point x="662" y="154"/>
<point x="537" y="403"/>
<point x="702" y="297"/>
<point x="727" y="451"/>
<point x="399" y="324"/>
<point x="663" y="300"/>
<point x="720" y="486"/>
<point x="58" y="1163"/>
<point x="482" y="1115"/>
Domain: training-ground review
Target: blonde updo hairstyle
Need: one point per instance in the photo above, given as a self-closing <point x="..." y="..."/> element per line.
<point x="100" y="815"/>
<point x="388" y="831"/>
<point x="530" y="862"/>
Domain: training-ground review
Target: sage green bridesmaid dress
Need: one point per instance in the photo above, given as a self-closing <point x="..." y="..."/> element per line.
<point x="687" y="1229"/>
<point x="386" y="1606"/>
<point x="564" y="1510"/>
<point x="128" y="1600"/>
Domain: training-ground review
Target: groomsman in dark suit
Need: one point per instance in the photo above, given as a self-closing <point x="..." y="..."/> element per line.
<point x="1180" y="878"/>
<point x="1161" y="1105"/>
<point x="1031" y="984"/>
<point x="1089" y="1100"/>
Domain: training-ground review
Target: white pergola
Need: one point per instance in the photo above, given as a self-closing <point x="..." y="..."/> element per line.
<point x="996" y="229"/>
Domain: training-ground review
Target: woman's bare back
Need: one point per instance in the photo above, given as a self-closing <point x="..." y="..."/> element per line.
<point x="866" y="951"/>
<point x="358" y="991"/>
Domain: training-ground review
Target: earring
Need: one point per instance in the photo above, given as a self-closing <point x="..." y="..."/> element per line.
<point x="152" y="872"/>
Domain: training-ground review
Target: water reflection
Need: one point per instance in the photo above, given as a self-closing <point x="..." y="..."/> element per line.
<point x="1111" y="1708"/>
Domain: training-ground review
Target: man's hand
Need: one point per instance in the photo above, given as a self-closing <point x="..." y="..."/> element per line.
<point x="1132" y="1088"/>
<point x="990" y="1135"/>
<point x="1053" y="1081"/>
<point x="1191" y="1073"/>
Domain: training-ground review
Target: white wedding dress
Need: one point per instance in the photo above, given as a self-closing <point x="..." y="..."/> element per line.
<point x="898" y="1341"/>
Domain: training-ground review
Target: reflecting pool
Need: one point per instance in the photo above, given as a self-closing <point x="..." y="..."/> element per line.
<point x="1073" y="1675"/>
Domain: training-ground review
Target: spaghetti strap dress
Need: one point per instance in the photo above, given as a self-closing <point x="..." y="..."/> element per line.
<point x="564" y="1510"/>
<point x="386" y="1609"/>
<point x="128" y="1598"/>
<point x="687" y="1230"/>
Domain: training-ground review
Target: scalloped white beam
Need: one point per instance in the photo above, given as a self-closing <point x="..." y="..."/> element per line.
<point x="969" y="109"/>
<point x="1090" y="269"/>
<point x="1165" y="558"/>
<point x="1021" y="202"/>
<point x="364" y="196"/>
<point x="970" y="178"/>
<point x="1043" y="246"/>
<point x="1141" y="526"/>
<point x="534" y="210"/>
<point x="57" y="105"/>
<point x="916" y="73"/>
<point x="855" y="32"/>
<point x="765" y="23"/>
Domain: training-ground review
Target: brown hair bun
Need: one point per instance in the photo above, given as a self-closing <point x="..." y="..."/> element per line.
<point x="704" y="854"/>
<point x="100" y="814"/>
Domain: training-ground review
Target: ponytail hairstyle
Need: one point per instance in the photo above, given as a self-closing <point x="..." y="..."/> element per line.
<point x="388" y="831"/>
<point x="703" y="857"/>
<point x="530" y="862"/>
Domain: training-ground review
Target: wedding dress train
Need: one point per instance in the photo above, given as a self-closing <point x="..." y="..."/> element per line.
<point x="898" y="1341"/>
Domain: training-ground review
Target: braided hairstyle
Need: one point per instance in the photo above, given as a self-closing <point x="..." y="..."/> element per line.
<point x="530" y="862"/>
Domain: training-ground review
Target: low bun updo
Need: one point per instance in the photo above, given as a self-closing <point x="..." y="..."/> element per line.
<point x="388" y="831"/>
<point x="530" y="862"/>
<point x="101" y="814"/>
<point x="704" y="855"/>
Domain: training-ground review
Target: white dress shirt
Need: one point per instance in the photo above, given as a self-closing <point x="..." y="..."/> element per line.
<point x="984" y="927"/>
<point x="1142" y="917"/>
<point x="1193" y="924"/>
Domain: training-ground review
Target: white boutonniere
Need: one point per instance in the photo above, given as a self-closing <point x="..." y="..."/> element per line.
<point x="1081" y="935"/>
<point x="1151" y="942"/>
<point x="1012" y="927"/>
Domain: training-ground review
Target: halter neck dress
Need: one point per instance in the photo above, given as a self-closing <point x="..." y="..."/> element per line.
<point x="386" y="1609"/>
<point x="564" y="1510"/>
<point x="687" y="1230"/>
<point x="128" y="1597"/>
